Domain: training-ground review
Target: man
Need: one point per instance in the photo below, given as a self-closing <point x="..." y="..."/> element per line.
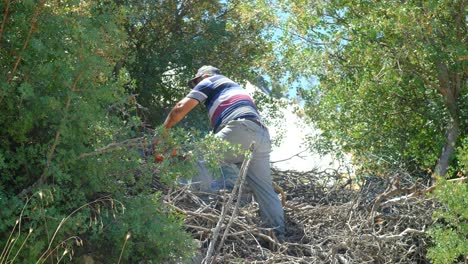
<point x="234" y="117"/>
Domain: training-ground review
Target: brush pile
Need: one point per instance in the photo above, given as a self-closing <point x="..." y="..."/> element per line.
<point x="328" y="221"/>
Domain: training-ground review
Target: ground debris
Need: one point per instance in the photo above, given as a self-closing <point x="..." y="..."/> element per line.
<point x="329" y="220"/>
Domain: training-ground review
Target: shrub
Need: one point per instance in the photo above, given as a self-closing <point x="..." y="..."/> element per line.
<point x="154" y="234"/>
<point x="61" y="105"/>
<point x="450" y="230"/>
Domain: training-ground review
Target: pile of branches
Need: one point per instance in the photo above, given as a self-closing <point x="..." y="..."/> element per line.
<point x="329" y="219"/>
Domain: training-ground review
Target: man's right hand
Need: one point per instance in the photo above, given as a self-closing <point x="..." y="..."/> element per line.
<point x="158" y="158"/>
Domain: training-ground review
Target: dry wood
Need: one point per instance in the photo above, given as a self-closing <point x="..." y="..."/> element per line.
<point x="325" y="222"/>
<point x="415" y="192"/>
<point x="238" y="186"/>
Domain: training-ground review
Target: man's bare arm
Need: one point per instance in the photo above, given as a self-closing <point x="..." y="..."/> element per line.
<point x="179" y="111"/>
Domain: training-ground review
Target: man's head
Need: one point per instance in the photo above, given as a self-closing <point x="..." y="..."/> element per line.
<point x="202" y="73"/>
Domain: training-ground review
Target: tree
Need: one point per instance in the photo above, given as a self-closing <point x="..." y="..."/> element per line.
<point x="170" y="40"/>
<point x="78" y="78"/>
<point x="392" y="77"/>
<point x="59" y="104"/>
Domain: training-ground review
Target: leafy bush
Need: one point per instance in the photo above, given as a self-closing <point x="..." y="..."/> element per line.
<point x="450" y="231"/>
<point x="64" y="115"/>
<point x="71" y="72"/>
<point x="138" y="228"/>
<point x="146" y="231"/>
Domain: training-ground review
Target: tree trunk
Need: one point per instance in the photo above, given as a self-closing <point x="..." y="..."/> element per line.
<point x="449" y="149"/>
<point x="449" y="87"/>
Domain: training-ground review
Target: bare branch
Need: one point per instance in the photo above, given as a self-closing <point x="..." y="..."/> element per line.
<point x="239" y="182"/>
<point x="295" y="155"/>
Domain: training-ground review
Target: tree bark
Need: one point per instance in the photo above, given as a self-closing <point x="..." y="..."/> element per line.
<point x="449" y="87"/>
<point x="449" y="149"/>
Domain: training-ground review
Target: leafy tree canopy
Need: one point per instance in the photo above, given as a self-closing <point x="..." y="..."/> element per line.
<point x="79" y="80"/>
<point x="391" y="77"/>
<point x="170" y="40"/>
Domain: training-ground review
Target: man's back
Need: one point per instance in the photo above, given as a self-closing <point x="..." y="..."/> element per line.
<point x="225" y="100"/>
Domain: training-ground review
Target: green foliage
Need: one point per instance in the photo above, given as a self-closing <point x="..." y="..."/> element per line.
<point x="212" y="150"/>
<point x="450" y="231"/>
<point x="77" y="79"/>
<point x="61" y="105"/>
<point x="381" y="93"/>
<point x="192" y="146"/>
<point x="272" y="112"/>
<point x="170" y="40"/>
<point x="100" y="227"/>
<point x="42" y="232"/>
<point x="147" y="231"/>
<point x="57" y="85"/>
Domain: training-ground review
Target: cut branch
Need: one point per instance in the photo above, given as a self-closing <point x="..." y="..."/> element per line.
<point x="395" y="237"/>
<point x="415" y="194"/>
<point x="240" y="180"/>
<point x="134" y="142"/>
<point x="286" y="159"/>
<point x="239" y="185"/>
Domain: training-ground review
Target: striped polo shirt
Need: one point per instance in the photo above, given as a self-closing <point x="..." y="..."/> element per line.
<point x="225" y="100"/>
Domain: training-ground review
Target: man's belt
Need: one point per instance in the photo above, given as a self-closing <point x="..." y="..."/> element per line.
<point x="255" y="120"/>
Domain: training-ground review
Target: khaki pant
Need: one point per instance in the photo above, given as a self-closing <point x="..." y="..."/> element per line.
<point x="259" y="180"/>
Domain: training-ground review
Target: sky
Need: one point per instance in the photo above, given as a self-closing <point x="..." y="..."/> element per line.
<point x="285" y="156"/>
<point x="292" y="153"/>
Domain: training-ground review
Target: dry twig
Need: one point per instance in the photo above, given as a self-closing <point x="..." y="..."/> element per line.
<point x="325" y="223"/>
<point x="238" y="186"/>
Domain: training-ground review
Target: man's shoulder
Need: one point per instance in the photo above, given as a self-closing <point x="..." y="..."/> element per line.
<point x="217" y="77"/>
<point x="221" y="81"/>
